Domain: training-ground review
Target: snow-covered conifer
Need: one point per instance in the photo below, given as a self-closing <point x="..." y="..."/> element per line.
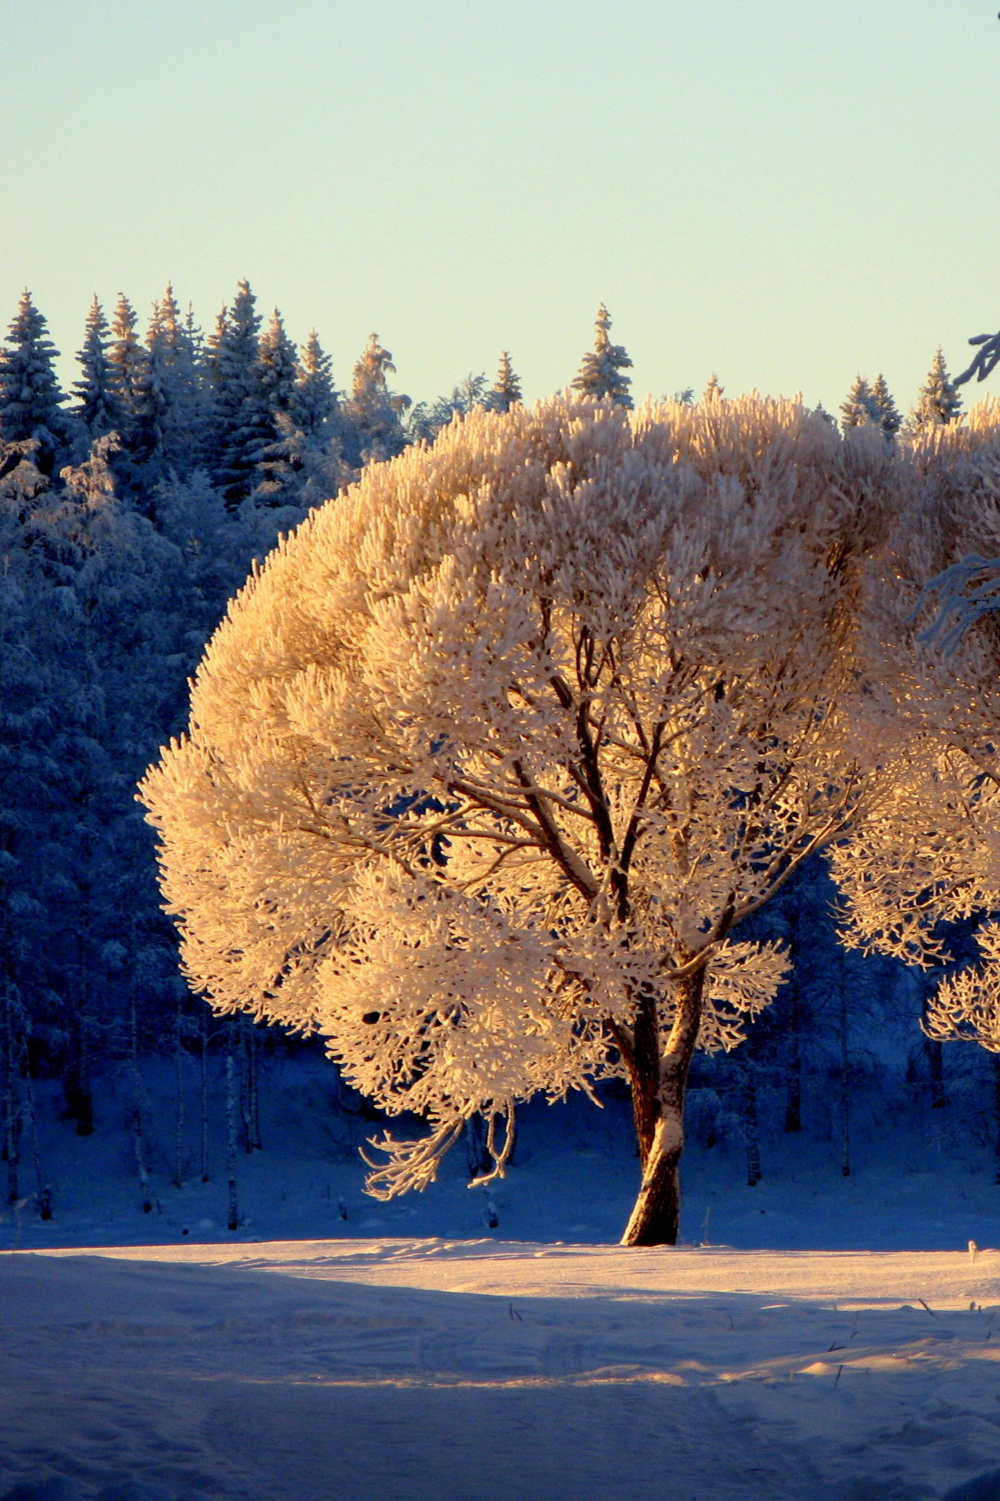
<point x="601" y="372"/>
<point x="30" y="397"/>
<point x="858" y="408"/>
<point x="886" y="413"/>
<point x="373" y="414"/>
<point x="938" y="401"/>
<point x="130" y="376"/>
<point x="95" y="401"/>
<point x="235" y="408"/>
<point x="177" y="343"/>
<point x="506" y="389"/>
<point x="314" y="401"/>
<point x="713" y="391"/>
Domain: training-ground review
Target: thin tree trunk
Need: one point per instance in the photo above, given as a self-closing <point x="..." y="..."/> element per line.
<point x="845" y="1080"/>
<point x="43" y="1189"/>
<point x="138" y="1141"/>
<point x="204" y="1093"/>
<point x="793" y="1098"/>
<point x="996" y="1113"/>
<point x="253" y="1087"/>
<point x="935" y="1060"/>
<point x="178" y="1096"/>
<point x="659" y="1084"/>
<point x="751" y="1125"/>
<point x="10" y="1102"/>
<point x="232" y="1123"/>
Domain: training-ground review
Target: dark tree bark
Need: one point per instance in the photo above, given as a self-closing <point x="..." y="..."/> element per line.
<point x="751" y="1124"/>
<point x="996" y="1113"/>
<point x="232" y="1112"/>
<point x="204" y="1092"/>
<point x="793" y="1097"/>
<point x="935" y="1062"/>
<point x="659" y="1085"/>
<point x="845" y="1079"/>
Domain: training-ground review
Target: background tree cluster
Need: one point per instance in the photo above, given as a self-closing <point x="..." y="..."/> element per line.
<point x="131" y="510"/>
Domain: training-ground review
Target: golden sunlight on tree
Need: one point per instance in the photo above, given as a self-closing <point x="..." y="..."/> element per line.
<point x="490" y="760"/>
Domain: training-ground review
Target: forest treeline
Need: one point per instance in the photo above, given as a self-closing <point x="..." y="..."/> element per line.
<point x="131" y="509"/>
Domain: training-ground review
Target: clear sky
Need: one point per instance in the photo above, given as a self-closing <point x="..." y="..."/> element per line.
<point x="784" y="191"/>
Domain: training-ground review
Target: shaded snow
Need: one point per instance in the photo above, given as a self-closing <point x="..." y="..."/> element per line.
<point x="399" y="1355"/>
<point x="474" y="1371"/>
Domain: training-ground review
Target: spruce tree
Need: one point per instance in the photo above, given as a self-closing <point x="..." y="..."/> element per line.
<point x="374" y="429"/>
<point x="506" y="391"/>
<point x="233" y="375"/>
<point x="315" y="400"/>
<point x="96" y="406"/>
<point x="600" y="374"/>
<point x="30" y="397"/>
<point x="179" y="381"/>
<point x="884" y="407"/>
<point x="272" y="396"/>
<point x="859" y="407"/>
<point x="713" y="391"/>
<point x="130" y="379"/>
<point x="939" y="401"/>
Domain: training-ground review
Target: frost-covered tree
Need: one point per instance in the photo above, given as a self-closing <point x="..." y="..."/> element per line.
<point x="129" y="361"/>
<point x="31" y="400"/>
<point x="373" y="428"/>
<point x="314" y="402"/>
<point x="95" y="401"/>
<point x="173" y="343"/>
<point x="506" y="389"/>
<point x="235" y="408"/>
<point x="601" y="372"/>
<point x="938" y="401"/>
<point x="490" y="761"/>
<point x="946" y="834"/>
<point x="884" y="409"/>
<point x="426" y="421"/>
<point x="858" y="408"/>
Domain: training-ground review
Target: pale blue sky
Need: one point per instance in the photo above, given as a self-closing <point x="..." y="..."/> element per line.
<point x="785" y="191"/>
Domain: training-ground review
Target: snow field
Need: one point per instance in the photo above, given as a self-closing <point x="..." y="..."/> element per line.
<point x="477" y="1371"/>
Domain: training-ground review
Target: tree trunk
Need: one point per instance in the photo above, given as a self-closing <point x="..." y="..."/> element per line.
<point x="845" y="1079"/>
<point x="204" y="1092"/>
<point x="996" y="1113"/>
<point x="138" y="1139"/>
<point x="751" y="1125"/>
<point x="11" y="1114"/>
<point x="178" y="1179"/>
<point x="793" y="1097"/>
<point x="659" y="1084"/>
<point x="232" y="1110"/>
<point x="935" y="1060"/>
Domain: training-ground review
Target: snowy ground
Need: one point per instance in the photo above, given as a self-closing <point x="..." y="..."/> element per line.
<point x="841" y="1345"/>
<point x="430" y="1370"/>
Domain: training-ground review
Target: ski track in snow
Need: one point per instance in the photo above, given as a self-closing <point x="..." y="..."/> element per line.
<point x="428" y="1370"/>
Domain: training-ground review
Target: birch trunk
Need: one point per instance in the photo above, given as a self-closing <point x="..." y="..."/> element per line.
<point x="751" y="1125"/>
<point x="204" y="1092"/>
<point x="138" y="1139"/>
<point x="845" y="1079"/>
<point x="996" y="1114"/>
<point x="659" y="1084"/>
<point x="232" y="1110"/>
<point x="178" y="1096"/>
<point x="10" y="1102"/>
